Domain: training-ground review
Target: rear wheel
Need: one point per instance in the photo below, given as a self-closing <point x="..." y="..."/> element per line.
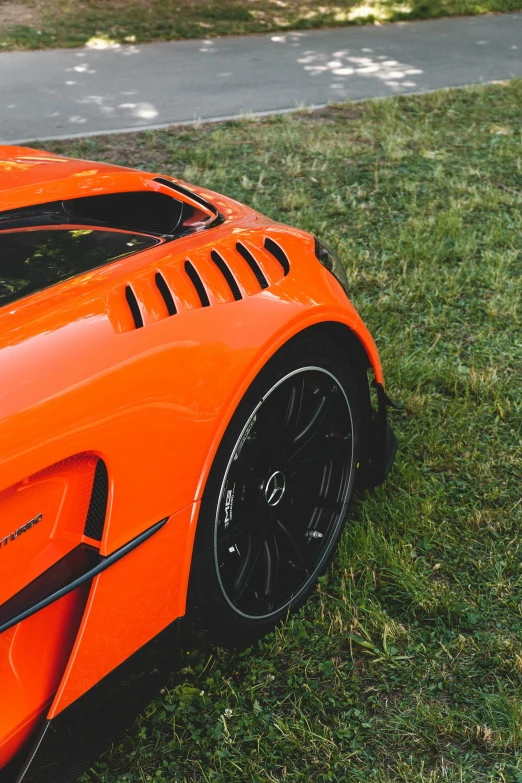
<point x="277" y="494"/>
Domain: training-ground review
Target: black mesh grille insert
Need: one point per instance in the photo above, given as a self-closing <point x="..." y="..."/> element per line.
<point x="227" y="274"/>
<point x="98" y="505"/>
<point x="278" y="253"/>
<point x="165" y="292"/>
<point x="252" y="263"/>
<point x="197" y="282"/>
<point x="134" y="307"/>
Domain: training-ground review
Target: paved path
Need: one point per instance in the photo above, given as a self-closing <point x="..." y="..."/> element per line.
<point x="71" y="92"/>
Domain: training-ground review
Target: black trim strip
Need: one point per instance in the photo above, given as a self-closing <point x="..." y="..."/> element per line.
<point x="90" y="573"/>
<point x="186" y="192"/>
<point x="66" y="570"/>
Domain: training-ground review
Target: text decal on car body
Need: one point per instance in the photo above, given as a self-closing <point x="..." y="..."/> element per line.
<point x="18" y="532"/>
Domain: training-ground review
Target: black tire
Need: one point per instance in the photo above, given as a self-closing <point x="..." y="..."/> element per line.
<point x="277" y="495"/>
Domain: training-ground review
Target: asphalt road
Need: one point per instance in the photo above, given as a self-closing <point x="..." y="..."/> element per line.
<point x="68" y="92"/>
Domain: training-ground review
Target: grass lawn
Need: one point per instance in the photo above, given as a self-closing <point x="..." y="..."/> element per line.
<point x="406" y="665"/>
<point x="36" y="24"/>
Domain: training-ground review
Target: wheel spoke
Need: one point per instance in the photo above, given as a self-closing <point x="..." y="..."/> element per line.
<point x="331" y="448"/>
<point x="271" y="553"/>
<point x="293" y="407"/>
<point x="247" y="566"/>
<point x="275" y="430"/>
<point x="314" y="424"/>
<point x="315" y="500"/>
<point x="296" y="548"/>
<point x="237" y="531"/>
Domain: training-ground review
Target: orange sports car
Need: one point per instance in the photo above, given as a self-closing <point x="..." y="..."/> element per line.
<point x="188" y="400"/>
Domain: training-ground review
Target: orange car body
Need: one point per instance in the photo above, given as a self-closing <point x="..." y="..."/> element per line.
<point x="80" y="383"/>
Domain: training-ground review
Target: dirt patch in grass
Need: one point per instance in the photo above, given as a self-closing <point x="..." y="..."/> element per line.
<point x="19" y="14"/>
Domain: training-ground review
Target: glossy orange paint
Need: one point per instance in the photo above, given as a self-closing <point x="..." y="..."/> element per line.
<point x="60" y="493"/>
<point x="33" y="656"/>
<point x="80" y="381"/>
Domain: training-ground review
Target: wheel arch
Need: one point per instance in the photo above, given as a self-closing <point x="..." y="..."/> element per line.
<point x="361" y="358"/>
<point x="361" y="364"/>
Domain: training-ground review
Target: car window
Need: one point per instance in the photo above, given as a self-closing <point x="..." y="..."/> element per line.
<point x="34" y="259"/>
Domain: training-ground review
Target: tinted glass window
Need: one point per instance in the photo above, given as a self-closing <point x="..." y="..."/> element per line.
<point x="35" y="259"/>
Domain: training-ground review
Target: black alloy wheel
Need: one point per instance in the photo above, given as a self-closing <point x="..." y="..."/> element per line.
<point x="283" y="492"/>
<point x="277" y="496"/>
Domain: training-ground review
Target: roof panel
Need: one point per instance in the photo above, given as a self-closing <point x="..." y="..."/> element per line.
<point x="21" y="166"/>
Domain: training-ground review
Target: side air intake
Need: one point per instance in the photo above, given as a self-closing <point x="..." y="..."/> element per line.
<point x="98" y="505"/>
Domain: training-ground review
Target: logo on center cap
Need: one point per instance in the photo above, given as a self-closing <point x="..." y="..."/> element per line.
<point x="275" y="488"/>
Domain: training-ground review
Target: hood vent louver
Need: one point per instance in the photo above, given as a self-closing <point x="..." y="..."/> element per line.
<point x="252" y="263"/>
<point x="134" y="307"/>
<point x="279" y="254"/>
<point x="236" y="271"/>
<point x="166" y="293"/>
<point x="197" y="282"/>
<point x="227" y="274"/>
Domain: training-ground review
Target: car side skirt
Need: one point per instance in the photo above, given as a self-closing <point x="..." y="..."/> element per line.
<point x="69" y="743"/>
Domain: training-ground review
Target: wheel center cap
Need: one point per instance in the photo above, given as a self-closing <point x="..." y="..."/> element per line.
<point x="275" y="488"/>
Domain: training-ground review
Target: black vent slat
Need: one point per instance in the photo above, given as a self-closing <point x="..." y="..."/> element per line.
<point x="165" y="292"/>
<point x="227" y="274"/>
<point x="186" y="192"/>
<point x="252" y="263"/>
<point x="197" y="282"/>
<point x="98" y="504"/>
<point x="134" y="307"/>
<point x="279" y="254"/>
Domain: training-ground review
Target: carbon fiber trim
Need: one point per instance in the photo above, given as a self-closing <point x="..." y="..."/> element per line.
<point x="98" y="505"/>
<point x="52" y="578"/>
<point x="382" y="442"/>
<point x="70" y="743"/>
